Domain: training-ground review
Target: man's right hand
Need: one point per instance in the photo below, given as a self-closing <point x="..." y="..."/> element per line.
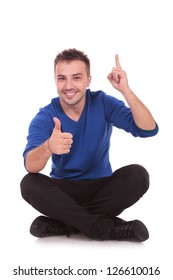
<point x="60" y="142"/>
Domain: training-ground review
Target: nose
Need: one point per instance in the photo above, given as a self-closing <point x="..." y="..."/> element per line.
<point x="69" y="84"/>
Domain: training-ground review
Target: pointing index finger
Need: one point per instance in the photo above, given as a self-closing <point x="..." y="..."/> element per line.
<point x="117" y="62"/>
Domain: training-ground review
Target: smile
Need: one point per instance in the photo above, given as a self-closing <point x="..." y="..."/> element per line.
<point x="70" y="94"/>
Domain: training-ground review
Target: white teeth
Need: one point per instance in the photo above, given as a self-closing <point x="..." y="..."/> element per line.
<point x="70" y="93"/>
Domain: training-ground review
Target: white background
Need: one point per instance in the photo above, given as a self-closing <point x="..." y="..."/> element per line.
<point x="31" y="34"/>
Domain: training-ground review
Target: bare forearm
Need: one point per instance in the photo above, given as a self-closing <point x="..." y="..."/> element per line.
<point x="142" y="116"/>
<point x="37" y="158"/>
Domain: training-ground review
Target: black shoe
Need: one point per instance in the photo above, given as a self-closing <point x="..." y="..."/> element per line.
<point x="129" y="231"/>
<point x="43" y="226"/>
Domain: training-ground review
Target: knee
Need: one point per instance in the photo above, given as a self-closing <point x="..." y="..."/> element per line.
<point x="142" y="178"/>
<point x="26" y="186"/>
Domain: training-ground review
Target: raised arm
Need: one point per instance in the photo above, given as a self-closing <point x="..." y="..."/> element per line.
<point x="142" y="116"/>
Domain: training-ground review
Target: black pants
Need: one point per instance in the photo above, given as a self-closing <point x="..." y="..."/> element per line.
<point x="87" y="205"/>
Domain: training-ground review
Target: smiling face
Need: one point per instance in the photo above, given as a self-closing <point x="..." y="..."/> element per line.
<point x="71" y="80"/>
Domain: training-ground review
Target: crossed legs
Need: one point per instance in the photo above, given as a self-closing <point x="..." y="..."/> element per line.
<point x="87" y="205"/>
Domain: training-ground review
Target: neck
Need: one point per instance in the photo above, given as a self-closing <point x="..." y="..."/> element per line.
<point x="73" y="111"/>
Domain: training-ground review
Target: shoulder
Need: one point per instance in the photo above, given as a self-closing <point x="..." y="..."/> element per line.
<point x="106" y="99"/>
<point x="49" y="110"/>
<point x="45" y="115"/>
<point x="94" y="95"/>
<point x="51" y="106"/>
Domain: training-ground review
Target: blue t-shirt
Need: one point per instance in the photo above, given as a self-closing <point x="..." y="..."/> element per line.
<point x="89" y="154"/>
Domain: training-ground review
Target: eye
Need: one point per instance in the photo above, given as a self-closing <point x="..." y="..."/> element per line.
<point x="61" y="78"/>
<point x="76" y="78"/>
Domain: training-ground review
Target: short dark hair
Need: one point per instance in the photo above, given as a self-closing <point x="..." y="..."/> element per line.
<point x="73" y="54"/>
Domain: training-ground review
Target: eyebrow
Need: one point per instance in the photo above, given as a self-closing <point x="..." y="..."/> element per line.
<point x="77" y="74"/>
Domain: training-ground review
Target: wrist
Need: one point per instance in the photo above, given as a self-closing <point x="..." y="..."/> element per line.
<point x="48" y="147"/>
<point x="127" y="92"/>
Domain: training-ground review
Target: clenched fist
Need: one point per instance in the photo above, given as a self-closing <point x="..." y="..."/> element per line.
<point x="60" y="142"/>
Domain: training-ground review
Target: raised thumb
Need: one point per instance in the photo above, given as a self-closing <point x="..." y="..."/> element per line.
<point x="57" y="123"/>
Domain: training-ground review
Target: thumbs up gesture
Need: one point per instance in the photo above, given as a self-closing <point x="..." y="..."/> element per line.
<point x="60" y="142"/>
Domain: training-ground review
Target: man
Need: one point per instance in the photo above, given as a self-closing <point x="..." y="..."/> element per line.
<point x="82" y="193"/>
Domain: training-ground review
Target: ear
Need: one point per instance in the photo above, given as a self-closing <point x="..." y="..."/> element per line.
<point x="89" y="81"/>
<point x="55" y="78"/>
<point x="55" y="75"/>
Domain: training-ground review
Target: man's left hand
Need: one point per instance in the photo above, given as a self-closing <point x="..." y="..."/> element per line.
<point x="118" y="77"/>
